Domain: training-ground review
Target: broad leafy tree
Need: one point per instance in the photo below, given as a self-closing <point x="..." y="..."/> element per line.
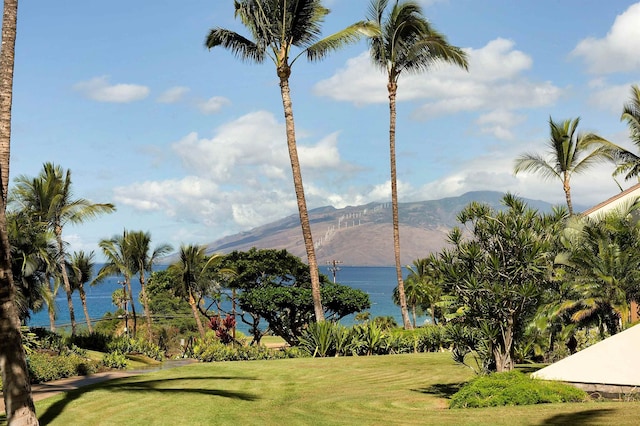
<point x="49" y="197"/>
<point x="15" y="378"/>
<point x="144" y="258"/>
<point x="568" y="152"/>
<point x="276" y="28"/>
<point x="275" y="286"/>
<point x="500" y="269"/>
<point x="404" y="42"/>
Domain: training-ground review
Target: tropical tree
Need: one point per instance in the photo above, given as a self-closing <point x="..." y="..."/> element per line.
<point x="15" y="377"/>
<point x="49" y="197"/>
<point x="568" y="152"/>
<point x="415" y="287"/>
<point x="601" y="258"/>
<point x="80" y="270"/>
<point x="404" y="42"/>
<point x="119" y="262"/>
<point x="192" y="266"/>
<point x="499" y="272"/>
<point x="143" y="260"/>
<point x="277" y="26"/>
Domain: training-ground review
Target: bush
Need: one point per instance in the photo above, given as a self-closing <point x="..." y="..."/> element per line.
<point x="130" y="345"/>
<point x="95" y="341"/>
<point x="44" y="367"/>
<point x="513" y="388"/>
<point x="211" y="349"/>
<point x="115" y="359"/>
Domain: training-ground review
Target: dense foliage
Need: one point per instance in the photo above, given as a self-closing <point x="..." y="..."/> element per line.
<point x="513" y="388"/>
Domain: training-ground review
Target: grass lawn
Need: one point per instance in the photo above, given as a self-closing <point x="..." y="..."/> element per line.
<point x="383" y="390"/>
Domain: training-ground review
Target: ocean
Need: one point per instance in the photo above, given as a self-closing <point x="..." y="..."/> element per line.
<point x="378" y="282"/>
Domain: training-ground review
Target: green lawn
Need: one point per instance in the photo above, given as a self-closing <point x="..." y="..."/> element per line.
<point x="384" y="390"/>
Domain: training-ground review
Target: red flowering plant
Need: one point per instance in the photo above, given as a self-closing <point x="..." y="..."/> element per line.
<point x="223" y="327"/>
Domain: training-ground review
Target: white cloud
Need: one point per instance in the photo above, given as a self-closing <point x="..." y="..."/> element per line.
<point x="609" y="97"/>
<point x="100" y="90"/>
<point x="213" y="105"/>
<point x="495" y="81"/>
<point x="173" y="95"/>
<point x="618" y="50"/>
<point x="239" y="178"/>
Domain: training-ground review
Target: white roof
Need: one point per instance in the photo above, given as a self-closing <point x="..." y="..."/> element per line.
<point x="612" y="361"/>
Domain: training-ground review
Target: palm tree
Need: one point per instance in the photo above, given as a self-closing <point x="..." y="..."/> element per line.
<point x="143" y="262"/>
<point x="277" y="26"/>
<point x="628" y="162"/>
<point x="415" y="287"/>
<point x="80" y="271"/>
<point x="15" y="378"/>
<point x="568" y="152"/>
<point x="193" y="262"/>
<point x="119" y="262"/>
<point x="49" y="196"/>
<point x="404" y="42"/>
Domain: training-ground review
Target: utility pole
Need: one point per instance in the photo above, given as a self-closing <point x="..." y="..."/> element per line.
<point x="334" y="268"/>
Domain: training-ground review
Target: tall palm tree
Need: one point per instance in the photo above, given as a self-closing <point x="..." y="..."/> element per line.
<point x="277" y="26"/>
<point x="119" y="261"/>
<point x="80" y="271"/>
<point x="17" y="390"/>
<point x="404" y="42"/>
<point x="15" y="377"/>
<point x="143" y="260"/>
<point x="49" y="196"/>
<point x="568" y="152"/>
<point x="193" y="262"/>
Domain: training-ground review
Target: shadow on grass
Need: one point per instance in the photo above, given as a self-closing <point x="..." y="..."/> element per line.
<point x="587" y="417"/>
<point x="442" y="390"/>
<point x="160" y="386"/>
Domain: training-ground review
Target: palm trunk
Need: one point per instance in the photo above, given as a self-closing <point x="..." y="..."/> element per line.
<point x="133" y="306"/>
<point x="567" y="192"/>
<point x="392" y="88"/>
<point x="302" y="203"/>
<point x="502" y="350"/>
<point x="196" y="315"/>
<point x="83" y="299"/>
<point x="413" y="312"/>
<point x="51" y="306"/>
<point x="145" y="304"/>
<point x="18" y="401"/>
<point x="65" y="278"/>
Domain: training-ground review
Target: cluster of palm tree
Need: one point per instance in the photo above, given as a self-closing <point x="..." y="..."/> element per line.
<point x="45" y="204"/>
<point x="401" y="41"/>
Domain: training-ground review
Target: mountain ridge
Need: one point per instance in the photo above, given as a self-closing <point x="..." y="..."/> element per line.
<point x="363" y="235"/>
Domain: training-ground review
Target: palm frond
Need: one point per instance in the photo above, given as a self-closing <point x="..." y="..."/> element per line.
<point x="240" y="46"/>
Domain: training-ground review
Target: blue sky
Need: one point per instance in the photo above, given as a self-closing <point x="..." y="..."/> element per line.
<point x="189" y="144"/>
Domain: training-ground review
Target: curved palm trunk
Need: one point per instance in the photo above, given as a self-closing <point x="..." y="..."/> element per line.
<point x="392" y="88"/>
<point x="196" y="315"/>
<point x="83" y="299"/>
<point x="65" y="278"/>
<point x="302" y="203"/>
<point x="145" y="304"/>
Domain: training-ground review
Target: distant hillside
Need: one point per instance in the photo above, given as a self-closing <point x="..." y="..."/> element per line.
<point x="363" y="235"/>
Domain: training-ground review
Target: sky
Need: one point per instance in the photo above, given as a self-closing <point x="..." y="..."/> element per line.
<point x="189" y="144"/>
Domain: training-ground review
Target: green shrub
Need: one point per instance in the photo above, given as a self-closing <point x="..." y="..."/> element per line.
<point x="45" y="367"/>
<point x="115" y="359"/>
<point x="95" y="341"/>
<point x="513" y="388"/>
<point x="211" y="350"/>
<point x="130" y="345"/>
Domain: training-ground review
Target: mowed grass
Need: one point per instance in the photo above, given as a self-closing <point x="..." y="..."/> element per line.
<point x="380" y="390"/>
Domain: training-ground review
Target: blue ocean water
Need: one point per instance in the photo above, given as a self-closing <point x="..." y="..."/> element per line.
<point x="378" y="282"/>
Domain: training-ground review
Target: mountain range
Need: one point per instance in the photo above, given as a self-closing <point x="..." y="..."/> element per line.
<point x="363" y="235"/>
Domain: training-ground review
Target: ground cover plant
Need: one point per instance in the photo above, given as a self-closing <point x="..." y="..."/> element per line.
<point x="408" y="389"/>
